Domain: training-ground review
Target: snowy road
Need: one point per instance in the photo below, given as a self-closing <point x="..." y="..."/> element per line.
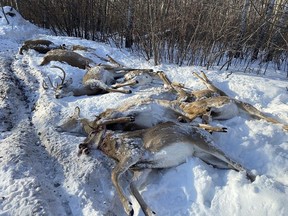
<point x="28" y="169"/>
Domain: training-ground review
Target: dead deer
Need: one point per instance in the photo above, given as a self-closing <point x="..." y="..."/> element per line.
<point x="133" y="115"/>
<point x="211" y="103"/>
<point x="97" y="80"/>
<point x="83" y="126"/>
<point x="218" y="108"/>
<point x="142" y="77"/>
<point x="162" y="146"/>
<point x="72" y="58"/>
<point x="76" y="47"/>
<point x="40" y="45"/>
<point x="43" y="46"/>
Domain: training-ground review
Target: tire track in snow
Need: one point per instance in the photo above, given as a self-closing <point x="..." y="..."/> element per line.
<point x="27" y="169"/>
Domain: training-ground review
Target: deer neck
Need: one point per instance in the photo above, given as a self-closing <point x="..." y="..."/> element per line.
<point x="86" y="125"/>
<point x="110" y="147"/>
<point x="118" y="146"/>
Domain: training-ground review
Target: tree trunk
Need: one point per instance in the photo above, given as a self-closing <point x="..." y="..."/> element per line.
<point x="129" y="28"/>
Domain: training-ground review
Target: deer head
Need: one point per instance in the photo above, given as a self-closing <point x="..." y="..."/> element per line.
<point x="75" y="124"/>
<point x="71" y="123"/>
<point x="61" y="89"/>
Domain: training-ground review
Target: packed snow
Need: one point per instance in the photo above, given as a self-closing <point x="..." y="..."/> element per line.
<point x="41" y="173"/>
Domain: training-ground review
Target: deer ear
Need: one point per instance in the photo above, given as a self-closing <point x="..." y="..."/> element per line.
<point x="69" y="82"/>
<point x="77" y="112"/>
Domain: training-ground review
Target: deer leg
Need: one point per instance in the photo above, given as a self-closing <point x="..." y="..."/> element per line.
<point x="120" y="120"/>
<point x="200" y="78"/>
<point x="127" y="83"/>
<point x="209" y="84"/>
<point x="211" y="129"/>
<point x="97" y="84"/>
<point x="145" y="208"/>
<point x="255" y="113"/>
<point x="222" y="156"/>
<point x="177" y="108"/>
<point x="183" y="95"/>
<point x="238" y="167"/>
<point x="122" y="167"/>
<point x="94" y="138"/>
<point x="113" y="61"/>
<point x="101" y="58"/>
<point x="83" y="148"/>
<point x="165" y="79"/>
<point x="124" y="91"/>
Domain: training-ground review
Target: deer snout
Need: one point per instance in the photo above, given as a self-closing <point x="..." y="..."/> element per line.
<point x="59" y="129"/>
<point x="58" y="96"/>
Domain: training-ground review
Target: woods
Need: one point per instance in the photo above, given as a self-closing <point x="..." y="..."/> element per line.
<point x="186" y="32"/>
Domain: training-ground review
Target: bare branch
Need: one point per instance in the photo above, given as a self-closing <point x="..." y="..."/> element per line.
<point x="5" y="15"/>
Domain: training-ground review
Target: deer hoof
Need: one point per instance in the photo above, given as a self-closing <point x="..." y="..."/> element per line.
<point x="181" y="119"/>
<point x="128" y="208"/>
<point x="149" y="212"/>
<point x="86" y="151"/>
<point x="82" y="146"/>
<point x="131" y="212"/>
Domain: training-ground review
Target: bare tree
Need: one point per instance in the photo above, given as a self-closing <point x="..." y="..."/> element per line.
<point x="264" y="28"/>
<point x="278" y="38"/>
<point x="184" y="32"/>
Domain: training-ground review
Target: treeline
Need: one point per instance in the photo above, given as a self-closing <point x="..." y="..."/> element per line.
<point x="185" y="32"/>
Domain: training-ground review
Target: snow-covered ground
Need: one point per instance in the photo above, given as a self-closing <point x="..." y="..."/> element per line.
<point x="41" y="173"/>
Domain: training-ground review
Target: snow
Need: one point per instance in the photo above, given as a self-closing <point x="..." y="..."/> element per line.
<point x="41" y="173"/>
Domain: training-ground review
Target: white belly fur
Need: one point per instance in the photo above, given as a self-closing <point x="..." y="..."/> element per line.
<point x="173" y="155"/>
<point x="226" y="111"/>
<point x="150" y="116"/>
